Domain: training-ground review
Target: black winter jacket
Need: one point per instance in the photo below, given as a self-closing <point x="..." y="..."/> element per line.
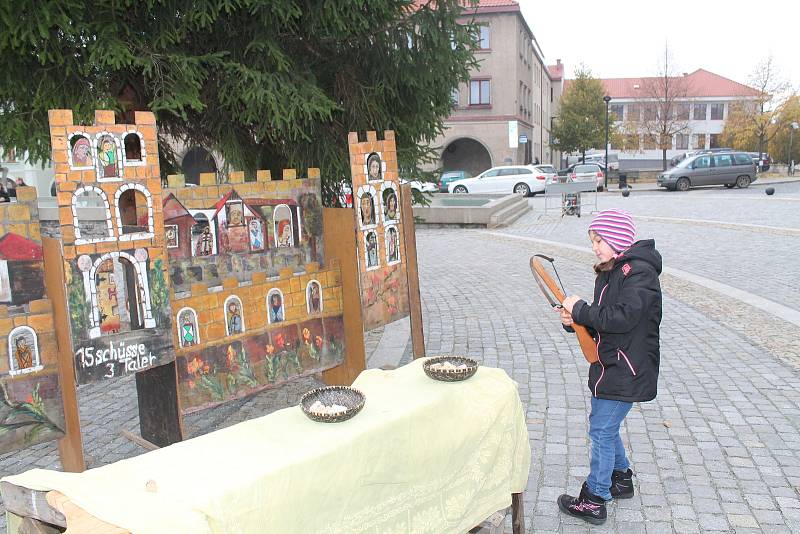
<point x="625" y="316"/>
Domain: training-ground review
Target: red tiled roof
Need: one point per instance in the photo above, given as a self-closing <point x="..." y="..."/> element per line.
<point x="15" y="247"/>
<point x="469" y="5"/>
<point x="699" y="83"/>
<point x="556" y="71"/>
<point x="173" y="208"/>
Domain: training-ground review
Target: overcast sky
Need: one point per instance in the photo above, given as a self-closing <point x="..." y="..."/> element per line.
<point x="625" y="38"/>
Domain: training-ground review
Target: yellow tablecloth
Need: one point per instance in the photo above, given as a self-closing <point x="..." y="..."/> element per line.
<point x="422" y="456"/>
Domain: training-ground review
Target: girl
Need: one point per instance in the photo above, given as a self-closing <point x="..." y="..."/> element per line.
<point x="624" y="321"/>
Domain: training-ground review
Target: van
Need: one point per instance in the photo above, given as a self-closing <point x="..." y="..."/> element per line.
<point x="731" y="169"/>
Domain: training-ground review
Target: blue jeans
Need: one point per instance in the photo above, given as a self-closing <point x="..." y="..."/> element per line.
<point x="608" y="453"/>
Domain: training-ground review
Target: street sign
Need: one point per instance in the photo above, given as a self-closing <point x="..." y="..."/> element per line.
<point x="513" y="134"/>
<point x="523" y="139"/>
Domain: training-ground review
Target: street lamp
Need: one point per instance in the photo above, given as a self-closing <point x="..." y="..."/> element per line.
<point x="792" y="127"/>
<point x="606" y="99"/>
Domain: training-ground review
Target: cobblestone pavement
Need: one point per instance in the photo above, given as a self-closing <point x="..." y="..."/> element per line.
<point x="716" y="451"/>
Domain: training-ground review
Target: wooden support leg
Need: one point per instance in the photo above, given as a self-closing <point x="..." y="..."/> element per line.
<point x="517" y="514"/>
<point x="160" y="419"/>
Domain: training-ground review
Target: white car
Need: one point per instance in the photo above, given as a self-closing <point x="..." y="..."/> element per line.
<point x="549" y="172"/>
<point x="521" y="179"/>
<point x="588" y="172"/>
<point x="422" y="187"/>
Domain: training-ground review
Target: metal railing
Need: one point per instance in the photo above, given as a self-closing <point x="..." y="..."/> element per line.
<point x="585" y="191"/>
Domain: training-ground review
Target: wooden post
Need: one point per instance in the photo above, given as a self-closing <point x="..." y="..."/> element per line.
<point x="412" y="270"/>
<point x="70" y="447"/>
<point x="339" y="233"/>
<point x="517" y="514"/>
<point x="160" y="420"/>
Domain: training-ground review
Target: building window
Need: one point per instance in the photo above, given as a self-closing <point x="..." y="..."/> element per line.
<point x="455" y="96"/>
<point x="615" y="112"/>
<point x="633" y="112"/>
<point x="699" y="112"/>
<point x="479" y="92"/>
<point x="699" y="141"/>
<point x="484" y="42"/>
<point x="650" y="112"/>
<point x="717" y="112"/>
<point x="713" y="141"/>
<point x="681" y="142"/>
<point x="682" y="112"/>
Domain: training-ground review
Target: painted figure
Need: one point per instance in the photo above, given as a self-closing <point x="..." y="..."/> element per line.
<point x="108" y="157"/>
<point x="256" y="236"/>
<point x="367" y="210"/>
<point x="205" y="243"/>
<point x="23" y="353"/>
<point x="390" y="204"/>
<point x="107" y="300"/>
<point x="234" y="214"/>
<point x="374" y="167"/>
<point x="313" y="298"/>
<point x="284" y="233"/>
<point x="372" y="249"/>
<point x="81" y="153"/>
<point x="275" y="308"/>
<point x="234" y="319"/>
<point x="392" y="252"/>
<point x="188" y="336"/>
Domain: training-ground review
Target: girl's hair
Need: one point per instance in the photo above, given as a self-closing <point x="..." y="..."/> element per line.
<point x="604" y="266"/>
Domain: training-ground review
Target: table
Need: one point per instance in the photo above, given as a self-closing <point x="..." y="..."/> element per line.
<point x="422" y="456"/>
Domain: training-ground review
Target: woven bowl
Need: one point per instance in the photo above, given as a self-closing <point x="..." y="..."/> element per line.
<point x="350" y="398"/>
<point x="450" y="375"/>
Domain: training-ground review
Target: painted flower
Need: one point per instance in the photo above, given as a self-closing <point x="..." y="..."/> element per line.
<point x="318" y="342"/>
<point x="270" y="349"/>
<point x="195" y="366"/>
<point x="29" y="400"/>
<point x="279" y="341"/>
<point x="306" y="335"/>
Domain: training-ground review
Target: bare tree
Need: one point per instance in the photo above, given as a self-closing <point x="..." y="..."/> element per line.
<point x="665" y="106"/>
<point x="774" y="92"/>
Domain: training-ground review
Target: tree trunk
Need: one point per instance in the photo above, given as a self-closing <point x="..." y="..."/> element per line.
<point x="663" y="159"/>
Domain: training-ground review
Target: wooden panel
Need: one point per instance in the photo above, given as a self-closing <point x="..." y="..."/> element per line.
<point x="25" y="502"/>
<point x="410" y="238"/>
<point x="79" y="520"/>
<point x="517" y="514"/>
<point x="160" y="419"/>
<point x="340" y="244"/>
<point x="70" y="447"/>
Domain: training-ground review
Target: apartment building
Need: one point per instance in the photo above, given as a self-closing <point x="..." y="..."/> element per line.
<point x="705" y="103"/>
<point x="502" y="115"/>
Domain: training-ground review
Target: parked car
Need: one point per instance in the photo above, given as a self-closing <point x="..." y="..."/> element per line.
<point x="451" y="176"/>
<point x="731" y="169"/>
<point x="422" y="187"/>
<point x="586" y="172"/>
<point x="571" y="168"/>
<point x="680" y="157"/>
<point x="522" y="179"/>
<point x="764" y="163"/>
<point x="600" y="159"/>
<point x="548" y="171"/>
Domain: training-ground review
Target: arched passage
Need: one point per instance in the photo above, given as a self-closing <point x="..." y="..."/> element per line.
<point x="197" y="160"/>
<point x="466" y="154"/>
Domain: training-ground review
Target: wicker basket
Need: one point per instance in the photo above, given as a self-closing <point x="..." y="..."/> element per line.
<point x="450" y="375"/>
<point x="345" y="396"/>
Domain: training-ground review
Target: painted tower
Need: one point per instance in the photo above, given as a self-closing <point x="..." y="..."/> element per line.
<point x="381" y="247"/>
<point x="112" y="232"/>
<point x="31" y="409"/>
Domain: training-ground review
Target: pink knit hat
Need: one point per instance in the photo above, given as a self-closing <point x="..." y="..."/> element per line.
<point x="616" y="227"/>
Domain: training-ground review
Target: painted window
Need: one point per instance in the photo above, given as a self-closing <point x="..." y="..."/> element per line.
<point x="371" y="252"/>
<point x="282" y="226"/>
<point x="91" y="215"/>
<point x="80" y="151"/>
<point x="234" y="316"/>
<point x="23" y="351"/>
<point x="391" y="205"/>
<point x="187" y="328"/>
<point x="133" y="212"/>
<point x="314" y="297"/>
<point x="392" y="245"/>
<point x="276" y="311"/>
<point x="203" y="239"/>
<point x="108" y="157"/>
<point x="171" y="234"/>
<point x="134" y="151"/>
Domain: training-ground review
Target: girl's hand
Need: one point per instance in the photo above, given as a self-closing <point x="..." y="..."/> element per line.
<point x="566" y="318"/>
<point x="569" y="302"/>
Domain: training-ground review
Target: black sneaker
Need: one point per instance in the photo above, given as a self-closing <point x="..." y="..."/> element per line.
<point x="622" y="484"/>
<point x="586" y="506"/>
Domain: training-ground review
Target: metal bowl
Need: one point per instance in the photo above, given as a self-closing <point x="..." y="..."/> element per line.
<point x="350" y="398"/>
<point x="450" y="375"/>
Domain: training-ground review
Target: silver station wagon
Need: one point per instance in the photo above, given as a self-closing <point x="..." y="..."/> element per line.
<point x="731" y="169"/>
